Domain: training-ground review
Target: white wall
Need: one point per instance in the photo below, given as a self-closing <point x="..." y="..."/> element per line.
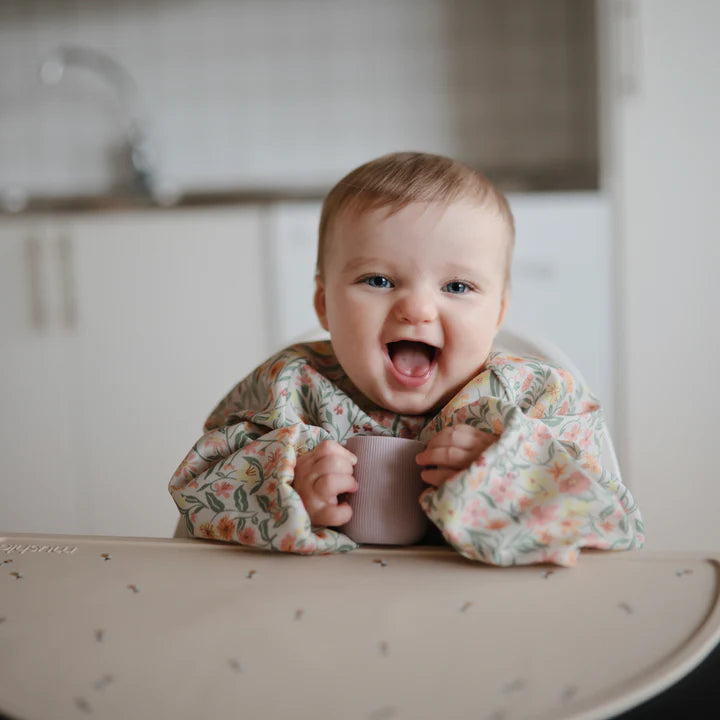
<point x="661" y="157"/>
<point x="295" y="92"/>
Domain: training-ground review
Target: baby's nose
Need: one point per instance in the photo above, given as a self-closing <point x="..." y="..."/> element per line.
<point x="416" y="307"/>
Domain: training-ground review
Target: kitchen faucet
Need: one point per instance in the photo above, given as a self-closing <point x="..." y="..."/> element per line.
<point x="138" y="151"/>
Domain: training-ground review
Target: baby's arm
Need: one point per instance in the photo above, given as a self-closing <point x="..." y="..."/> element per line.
<point x="238" y="481"/>
<point x="541" y="492"/>
<point x="321" y="475"/>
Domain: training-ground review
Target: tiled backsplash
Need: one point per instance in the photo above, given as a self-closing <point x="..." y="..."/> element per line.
<point x="247" y="93"/>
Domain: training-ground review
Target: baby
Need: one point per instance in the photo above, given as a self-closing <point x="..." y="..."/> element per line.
<point x="412" y="283"/>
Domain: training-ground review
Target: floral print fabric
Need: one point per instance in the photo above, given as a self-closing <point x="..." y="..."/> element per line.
<point x="539" y="494"/>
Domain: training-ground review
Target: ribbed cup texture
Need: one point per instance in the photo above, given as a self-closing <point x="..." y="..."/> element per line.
<point x="385" y="507"/>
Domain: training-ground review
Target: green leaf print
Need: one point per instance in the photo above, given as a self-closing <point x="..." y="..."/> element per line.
<point x="240" y="498"/>
<point x="263" y="528"/>
<point x="214" y="503"/>
<point x="264" y="502"/>
<point x="496" y="388"/>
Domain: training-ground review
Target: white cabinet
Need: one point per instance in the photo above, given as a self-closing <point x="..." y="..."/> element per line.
<point x="39" y="483"/>
<point x="138" y="322"/>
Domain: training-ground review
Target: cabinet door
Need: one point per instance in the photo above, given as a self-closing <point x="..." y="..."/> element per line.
<point x="39" y="488"/>
<point x="170" y="314"/>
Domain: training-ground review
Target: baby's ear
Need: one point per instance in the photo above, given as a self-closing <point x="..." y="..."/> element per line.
<point x="320" y="304"/>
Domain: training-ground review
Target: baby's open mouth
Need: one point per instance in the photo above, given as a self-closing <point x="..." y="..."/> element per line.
<point x="412" y="359"/>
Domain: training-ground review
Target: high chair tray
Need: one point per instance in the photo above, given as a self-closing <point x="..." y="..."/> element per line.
<point x="117" y="628"/>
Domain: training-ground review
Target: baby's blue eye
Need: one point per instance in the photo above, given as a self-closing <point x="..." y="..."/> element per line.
<point x="377" y="281"/>
<point x="456" y="287"/>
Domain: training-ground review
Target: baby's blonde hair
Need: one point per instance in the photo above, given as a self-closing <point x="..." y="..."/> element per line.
<point x="398" y="179"/>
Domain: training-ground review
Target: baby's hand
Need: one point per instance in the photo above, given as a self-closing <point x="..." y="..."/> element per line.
<point x="453" y="449"/>
<point x="320" y="476"/>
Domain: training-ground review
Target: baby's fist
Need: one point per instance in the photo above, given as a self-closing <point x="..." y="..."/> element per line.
<point x="321" y="475"/>
<point x="453" y="449"/>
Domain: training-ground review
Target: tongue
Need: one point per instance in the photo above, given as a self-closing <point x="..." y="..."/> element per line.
<point x="411" y="358"/>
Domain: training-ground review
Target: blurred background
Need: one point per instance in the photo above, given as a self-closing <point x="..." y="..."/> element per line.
<point x="162" y="165"/>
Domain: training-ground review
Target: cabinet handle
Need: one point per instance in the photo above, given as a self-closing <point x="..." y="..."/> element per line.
<point x="67" y="281"/>
<point x="630" y="46"/>
<point x="33" y="251"/>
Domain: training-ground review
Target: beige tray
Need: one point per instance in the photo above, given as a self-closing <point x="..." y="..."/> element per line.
<point x="119" y="628"/>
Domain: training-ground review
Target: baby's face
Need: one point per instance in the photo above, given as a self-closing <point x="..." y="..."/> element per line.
<point x="413" y="300"/>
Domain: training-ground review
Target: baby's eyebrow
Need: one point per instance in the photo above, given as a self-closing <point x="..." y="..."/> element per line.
<point x="360" y="262"/>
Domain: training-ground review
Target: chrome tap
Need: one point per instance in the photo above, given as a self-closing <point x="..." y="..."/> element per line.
<point x="138" y="152"/>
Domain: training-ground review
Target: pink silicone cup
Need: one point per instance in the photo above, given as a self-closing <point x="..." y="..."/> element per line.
<point x="386" y="510"/>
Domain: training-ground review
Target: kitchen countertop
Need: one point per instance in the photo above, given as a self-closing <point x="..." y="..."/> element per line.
<point x="119" y="202"/>
<point x="510" y="180"/>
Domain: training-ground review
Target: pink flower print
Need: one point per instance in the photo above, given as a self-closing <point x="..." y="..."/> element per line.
<point x="529" y="451"/>
<point x="607" y="526"/>
<point x="527" y="383"/>
<point x="273" y="461"/>
<point x="215" y="443"/>
<point x="567" y="377"/>
<point x="246" y="536"/>
<point x="570" y="434"/>
<point x="185" y="469"/>
<point x="474" y="514"/>
<point x="586" y="439"/>
<point x="574" y="484"/>
<point x="287" y="544"/>
<point x="569" y="525"/>
<point x="543" y="515"/>
<point x="564" y="408"/>
<point x="541" y="434"/>
<point x="501" y="488"/>
<point x="590" y="462"/>
<point x="556" y="470"/>
<point x="222" y="489"/>
<point x="338" y="410"/>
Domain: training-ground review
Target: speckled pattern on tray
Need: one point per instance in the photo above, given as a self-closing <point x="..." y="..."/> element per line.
<point x="117" y="628"/>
